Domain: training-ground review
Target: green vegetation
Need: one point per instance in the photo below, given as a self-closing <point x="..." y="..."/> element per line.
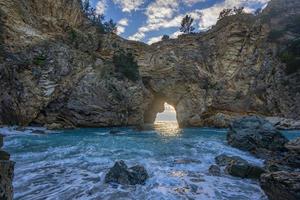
<point x="165" y="37"/>
<point x="275" y="34"/>
<point x="126" y="65"/>
<point x="228" y="12"/>
<point x="72" y="35"/>
<point x="39" y="60"/>
<point x="97" y="19"/>
<point x="187" y="24"/>
<point x="291" y="56"/>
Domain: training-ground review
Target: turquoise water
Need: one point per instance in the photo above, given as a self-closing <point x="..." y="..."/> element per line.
<point x="72" y="164"/>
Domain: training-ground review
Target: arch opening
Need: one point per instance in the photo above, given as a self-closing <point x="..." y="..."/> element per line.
<point x="168" y="114"/>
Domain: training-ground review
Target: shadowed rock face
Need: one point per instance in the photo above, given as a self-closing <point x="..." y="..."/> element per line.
<point x="58" y="70"/>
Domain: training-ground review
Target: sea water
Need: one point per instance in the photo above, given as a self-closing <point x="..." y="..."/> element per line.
<point x="72" y="164"/>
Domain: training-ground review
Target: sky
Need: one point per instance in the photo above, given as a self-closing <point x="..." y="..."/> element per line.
<point x="149" y="20"/>
<point x="169" y="114"/>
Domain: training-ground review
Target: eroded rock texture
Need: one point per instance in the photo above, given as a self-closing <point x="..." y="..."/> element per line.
<point x="57" y="70"/>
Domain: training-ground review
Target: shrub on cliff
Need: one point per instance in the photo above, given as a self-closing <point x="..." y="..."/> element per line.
<point x="98" y="19"/>
<point x="126" y="65"/>
<point x="187" y="24"/>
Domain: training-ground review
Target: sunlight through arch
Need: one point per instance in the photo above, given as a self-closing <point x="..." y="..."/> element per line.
<point x="169" y="114"/>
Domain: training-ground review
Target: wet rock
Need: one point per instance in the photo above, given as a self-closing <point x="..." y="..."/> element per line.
<point x="186" y="161"/>
<point x="114" y="132"/>
<point x="41" y="132"/>
<point x="283" y="123"/>
<point x="244" y="170"/>
<point x="1" y="141"/>
<point x="54" y="126"/>
<point x="4" y="155"/>
<point x="281" y="185"/>
<point x="214" y="170"/>
<point x="121" y="174"/>
<point x="256" y="135"/>
<point x="293" y="145"/>
<point x="21" y="129"/>
<point x="225" y="160"/>
<point x="6" y="179"/>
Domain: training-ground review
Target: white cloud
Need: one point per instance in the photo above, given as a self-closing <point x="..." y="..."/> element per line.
<point x="128" y="5"/>
<point x="121" y="25"/>
<point x="191" y="2"/>
<point x="210" y="15"/>
<point x="154" y="39"/>
<point x="123" y="22"/>
<point x="164" y="14"/>
<point x="101" y="7"/>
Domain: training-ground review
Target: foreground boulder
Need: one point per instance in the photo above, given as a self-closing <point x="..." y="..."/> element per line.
<point x="225" y="160"/>
<point x="256" y="135"/>
<point x="281" y="185"/>
<point x="244" y="170"/>
<point x="238" y="167"/>
<point x="6" y="174"/>
<point x="121" y="174"/>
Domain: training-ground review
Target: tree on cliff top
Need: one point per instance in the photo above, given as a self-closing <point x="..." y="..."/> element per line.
<point x="98" y="19"/>
<point x="228" y="12"/>
<point x="186" y="24"/>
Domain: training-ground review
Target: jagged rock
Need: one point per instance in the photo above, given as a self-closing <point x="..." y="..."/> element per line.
<point x="284" y="124"/>
<point x="214" y="170"/>
<point x="72" y="80"/>
<point x="121" y="174"/>
<point x="293" y="145"/>
<point x="4" y="155"/>
<point x="6" y="179"/>
<point x="281" y="185"/>
<point x="41" y="132"/>
<point x="244" y="170"/>
<point x="225" y="160"/>
<point x="256" y="135"/>
<point x="238" y="167"/>
<point x="186" y="161"/>
<point x="1" y="140"/>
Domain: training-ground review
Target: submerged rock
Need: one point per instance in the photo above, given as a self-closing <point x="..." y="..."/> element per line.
<point x="256" y="135"/>
<point x="121" y="174"/>
<point x="214" y="170"/>
<point x="281" y="185"/>
<point x="41" y="132"/>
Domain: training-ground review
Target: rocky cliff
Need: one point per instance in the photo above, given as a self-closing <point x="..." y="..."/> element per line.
<point x="57" y="69"/>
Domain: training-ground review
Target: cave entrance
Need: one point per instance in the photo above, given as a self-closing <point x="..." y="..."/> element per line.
<point x="160" y="111"/>
<point x="168" y="115"/>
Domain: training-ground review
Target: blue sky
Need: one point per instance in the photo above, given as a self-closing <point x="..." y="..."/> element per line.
<point x="148" y="20"/>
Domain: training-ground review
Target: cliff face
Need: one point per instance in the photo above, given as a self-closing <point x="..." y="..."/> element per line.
<point x="58" y="70"/>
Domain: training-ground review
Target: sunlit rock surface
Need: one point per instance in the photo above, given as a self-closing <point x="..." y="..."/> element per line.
<point x="56" y="70"/>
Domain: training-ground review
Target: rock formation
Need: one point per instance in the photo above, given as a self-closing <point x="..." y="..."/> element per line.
<point x="57" y="70"/>
<point x="121" y="174"/>
<point x="6" y="174"/>
<point x="281" y="178"/>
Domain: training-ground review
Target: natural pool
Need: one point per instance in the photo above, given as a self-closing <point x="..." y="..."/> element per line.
<point x="72" y="164"/>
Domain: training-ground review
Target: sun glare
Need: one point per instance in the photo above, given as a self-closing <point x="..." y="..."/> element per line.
<point x="169" y="114"/>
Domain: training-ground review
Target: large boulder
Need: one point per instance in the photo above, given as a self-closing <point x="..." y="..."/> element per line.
<point x="256" y="135"/>
<point x="281" y="185"/>
<point x="225" y="160"/>
<point x="244" y="170"/>
<point x="121" y="174"/>
<point x="6" y="179"/>
<point x="238" y="167"/>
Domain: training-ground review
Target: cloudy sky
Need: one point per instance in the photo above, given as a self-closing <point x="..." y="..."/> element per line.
<point x="148" y="20"/>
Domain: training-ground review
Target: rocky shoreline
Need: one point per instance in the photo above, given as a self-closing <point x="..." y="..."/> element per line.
<point x="6" y="174"/>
